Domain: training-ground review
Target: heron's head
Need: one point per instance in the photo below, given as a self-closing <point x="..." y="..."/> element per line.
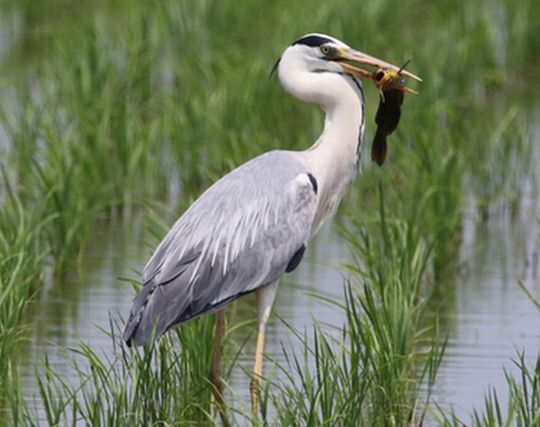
<point x="312" y="61"/>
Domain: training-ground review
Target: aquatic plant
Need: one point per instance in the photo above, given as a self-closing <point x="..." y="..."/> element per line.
<point x="21" y="262"/>
<point x="130" y="103"/>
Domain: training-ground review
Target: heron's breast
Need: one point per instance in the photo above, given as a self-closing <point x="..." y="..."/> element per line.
<point x="329" y="202"/>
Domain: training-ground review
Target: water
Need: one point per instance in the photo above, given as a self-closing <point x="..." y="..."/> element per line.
<point x="485" y="314"/>
<point x="487" y="317"/>
<point x="490" y="318"/>
<point x="79" y="311"/>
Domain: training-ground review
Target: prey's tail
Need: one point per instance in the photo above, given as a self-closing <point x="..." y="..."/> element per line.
<point x="378" y="148"/>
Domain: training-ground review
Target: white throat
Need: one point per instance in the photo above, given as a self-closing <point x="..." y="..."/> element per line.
<point x="334" y="158"/>
<point x="338" y="147"/>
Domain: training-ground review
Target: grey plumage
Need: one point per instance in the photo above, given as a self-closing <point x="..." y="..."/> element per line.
<point x="241" y="234"/>
<point x="254" y="224"/>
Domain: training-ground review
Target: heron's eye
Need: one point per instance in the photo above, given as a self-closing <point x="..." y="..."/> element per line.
<point x="328" y="50"/>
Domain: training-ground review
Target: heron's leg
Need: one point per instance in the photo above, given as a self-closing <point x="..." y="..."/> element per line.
<point x="215" y="372"/>
<point x="265" y="299"/>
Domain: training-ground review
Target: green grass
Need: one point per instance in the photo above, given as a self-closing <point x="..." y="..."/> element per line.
<point x="21" y="261"/>
<point x="145" y="387"/>
<point x="111" y="106"/>
<point x="371" y="375"/>
<point x="374" y="372"/>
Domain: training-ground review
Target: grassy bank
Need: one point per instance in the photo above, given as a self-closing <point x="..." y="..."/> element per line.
<point x="129" y="104"/>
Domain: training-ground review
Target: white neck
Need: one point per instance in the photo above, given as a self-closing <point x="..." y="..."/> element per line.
<point x="336" y="151"/>
<point x="334" y="158"/>
<point x="343" y="101"/>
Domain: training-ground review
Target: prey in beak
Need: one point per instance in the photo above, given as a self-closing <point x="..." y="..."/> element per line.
<point x="390" y="80"/>
<point x="390" y="70"/>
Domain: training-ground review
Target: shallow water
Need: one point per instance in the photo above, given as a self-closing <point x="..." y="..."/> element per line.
<point x="490" y="318"/>
<point x="81" y="310"/>
<point x="486" y="316"/>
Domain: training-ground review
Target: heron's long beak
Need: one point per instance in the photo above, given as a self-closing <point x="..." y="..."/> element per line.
<point x="362" y="58"/>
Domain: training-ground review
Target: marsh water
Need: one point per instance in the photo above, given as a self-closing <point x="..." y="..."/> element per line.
<point x="485" y="314"/>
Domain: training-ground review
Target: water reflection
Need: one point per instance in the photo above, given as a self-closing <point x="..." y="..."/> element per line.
<point x="77" y="309"/>
<point x="491" y="317"/>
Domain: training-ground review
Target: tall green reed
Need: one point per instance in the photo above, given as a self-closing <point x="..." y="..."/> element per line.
<point x="162" y="105"/>
<point x="163" y="383"/>
<point x="155" y="101"/>
<point x="21" y="262"/>
<point x="379" y="369"/>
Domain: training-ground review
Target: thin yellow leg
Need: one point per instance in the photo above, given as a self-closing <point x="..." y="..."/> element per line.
<point x="215" y="372"/>
<point x="257" y="371"/>
<point x="265" y="299"/>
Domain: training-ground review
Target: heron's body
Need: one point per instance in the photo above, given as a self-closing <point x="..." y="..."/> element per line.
<point x="254" y="224"/>
<point x="234" y="239"/>
<point x="242" y="233"/>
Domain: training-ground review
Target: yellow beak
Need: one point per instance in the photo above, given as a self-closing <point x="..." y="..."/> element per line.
<point x="390" y="72"/>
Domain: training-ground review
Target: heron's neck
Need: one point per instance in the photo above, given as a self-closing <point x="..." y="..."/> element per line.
<point x="335" y="156"/>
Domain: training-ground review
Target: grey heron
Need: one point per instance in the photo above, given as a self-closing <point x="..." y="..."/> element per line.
<point x="254" y="224"/>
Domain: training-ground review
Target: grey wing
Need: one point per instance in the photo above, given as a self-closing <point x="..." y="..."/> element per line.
<point x="242" y="233"/>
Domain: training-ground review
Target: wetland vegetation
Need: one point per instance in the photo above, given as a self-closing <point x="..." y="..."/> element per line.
<point x="114" y="110"/>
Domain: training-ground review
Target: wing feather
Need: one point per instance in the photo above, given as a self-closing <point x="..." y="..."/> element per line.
<point x="242" y="233"/>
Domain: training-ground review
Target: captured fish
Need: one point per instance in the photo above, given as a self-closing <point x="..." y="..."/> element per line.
<point x="392" y="89"/>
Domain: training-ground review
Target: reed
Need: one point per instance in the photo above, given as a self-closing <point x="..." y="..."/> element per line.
<point x="21" y="262"/>
<point x="380" y="368"/>
<point x="162" y="383"/>
<point x="131" y="103"/>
